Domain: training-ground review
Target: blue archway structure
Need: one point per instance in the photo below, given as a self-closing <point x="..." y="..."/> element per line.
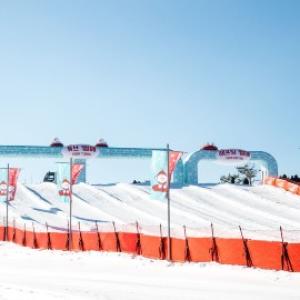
<point x="15" y="151"/>
<point x="187" y="171"/>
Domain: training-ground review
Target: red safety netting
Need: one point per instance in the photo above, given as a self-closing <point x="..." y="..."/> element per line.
<point x="234" y="246"/>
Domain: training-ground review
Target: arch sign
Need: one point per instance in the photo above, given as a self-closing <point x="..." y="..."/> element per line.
<point x="187" y="171"/>
<point x="233" y="155"/>
<point x="80" y="151"/>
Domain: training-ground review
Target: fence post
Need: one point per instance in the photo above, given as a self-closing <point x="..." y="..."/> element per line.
<point x="118" y="246"/>
<point x="285" y="258"/>
<point x="14" y="231"/>
<point x="138" y="241"/>
<point x="80" y="242"/>
<point x="34" y="244"/>
<point x="162" y="245"/>
<point x="4" y="229"/>
<point x="48" y="238"/>
<point x="68" y="242"/>
<point x="246" y="249"/>
<point x="24" y="235"/>
<point x="99" y="237"/>
<point x="187" y="247"/>
<point x="214" y="249"/>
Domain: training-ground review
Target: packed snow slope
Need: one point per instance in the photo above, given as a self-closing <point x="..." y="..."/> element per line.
<point x="34" y="274"/>
<point x="261" y="208"/>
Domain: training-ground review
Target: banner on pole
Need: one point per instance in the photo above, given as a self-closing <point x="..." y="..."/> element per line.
<point x="174" y="157"/>
<point x="64" y="180"/>
<point x="12" y="187"/>
<point x="159" y="172"/>
<point x="76" y="170"/>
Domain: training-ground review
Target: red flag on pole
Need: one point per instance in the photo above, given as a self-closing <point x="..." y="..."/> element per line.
<point x="76" y="170"/>
<point x="174" y="157"/>
<point x="12" y="187"/>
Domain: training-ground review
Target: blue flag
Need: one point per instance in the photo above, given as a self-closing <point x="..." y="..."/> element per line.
<point x="63" y="181"/>
<point x="159" y="175"/>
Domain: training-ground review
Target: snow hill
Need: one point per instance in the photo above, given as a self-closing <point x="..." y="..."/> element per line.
<point x="35" y="274"/>
<point x="259" y="210"/>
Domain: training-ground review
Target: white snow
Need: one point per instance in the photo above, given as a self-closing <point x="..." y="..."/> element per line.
<point x="43" y="274"/>
<point x="35" y="274"/>
<point x="259" y="210"/>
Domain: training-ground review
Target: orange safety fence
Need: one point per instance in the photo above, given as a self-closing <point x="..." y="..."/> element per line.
<point x="275" y="255"/>
<point x="284" y="184"/>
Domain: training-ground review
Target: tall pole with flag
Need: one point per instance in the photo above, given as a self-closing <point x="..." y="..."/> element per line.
<point x="169" y="204"/>
<point x="7" y="199"/>
<point x="70" y="210"/>
<point x="67" y="175"/>
<point x="162" y="166"/>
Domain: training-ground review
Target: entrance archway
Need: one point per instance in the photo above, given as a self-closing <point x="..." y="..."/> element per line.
<point x="265" y="160"/>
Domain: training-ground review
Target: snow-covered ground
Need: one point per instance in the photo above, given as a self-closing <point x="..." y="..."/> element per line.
<point x="259" y="210"/>
<point x="35" y="274"/>
<point x="42" y="274"/>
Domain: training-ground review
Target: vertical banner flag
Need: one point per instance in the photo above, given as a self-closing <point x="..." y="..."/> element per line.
<point x="159" y="172"/>
<point x="174" y="157"/>
<point x="76" y="170"/>
<point x="12" y="187"/>
<point x="64" y="180"/>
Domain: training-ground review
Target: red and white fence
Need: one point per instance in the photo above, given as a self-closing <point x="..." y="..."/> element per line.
<point x="280" y="250"/>
<point x="284" y="184"/>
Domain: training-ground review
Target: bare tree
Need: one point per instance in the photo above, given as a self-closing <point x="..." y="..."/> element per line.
<point x="248" y="171"/>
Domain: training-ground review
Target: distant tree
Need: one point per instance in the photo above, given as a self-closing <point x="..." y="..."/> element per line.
<point x="296" y="178"/>
<point x="229" y="178"/>
<point x="246" y="181"/>
<point x="248" y="171"/>
<point x="283" y="176"/>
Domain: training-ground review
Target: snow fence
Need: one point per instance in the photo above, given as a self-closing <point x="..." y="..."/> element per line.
<point x="279" y="251"/>
<point x="283" y="184"/>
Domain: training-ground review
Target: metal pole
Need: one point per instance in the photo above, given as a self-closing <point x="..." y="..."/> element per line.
<point x="7" y="199"/>
<point x="70" y="210"/>
<point x="169" y="208"/>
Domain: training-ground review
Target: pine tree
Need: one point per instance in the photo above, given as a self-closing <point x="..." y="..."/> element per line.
<point x="229" y="178"/>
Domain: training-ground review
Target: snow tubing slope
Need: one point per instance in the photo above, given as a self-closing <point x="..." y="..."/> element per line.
<point x="122" y="218"/>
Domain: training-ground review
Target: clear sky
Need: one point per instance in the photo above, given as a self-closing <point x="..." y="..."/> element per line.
<point x="144" y="73"/>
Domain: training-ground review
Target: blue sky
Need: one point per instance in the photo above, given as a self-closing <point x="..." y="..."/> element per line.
<point x="144" y="73"/>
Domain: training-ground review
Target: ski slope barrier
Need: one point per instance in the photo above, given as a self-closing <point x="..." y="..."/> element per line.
<point x="187" y="245"/>
<point x="283" y="184"/>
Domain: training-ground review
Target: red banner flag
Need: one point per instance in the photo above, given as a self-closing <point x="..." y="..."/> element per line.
<point x="13" y="179"/>
<point x="76" y="170"/>
<point x="174" y="157"/>
<point x="12" y="187"/>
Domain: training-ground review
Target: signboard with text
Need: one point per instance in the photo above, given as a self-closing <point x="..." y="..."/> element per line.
<point x="80" y="151"/>
<point x="234" y="155"/>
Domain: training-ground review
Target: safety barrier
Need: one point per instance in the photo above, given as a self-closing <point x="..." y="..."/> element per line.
<point x="248" y="252"/>
<point x="284" y="184"/>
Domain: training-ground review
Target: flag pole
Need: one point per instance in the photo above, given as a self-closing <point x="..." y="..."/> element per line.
<point x="70" y="210"/>
<point x="169" y="208"/>
<point x="7" y="199"/>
